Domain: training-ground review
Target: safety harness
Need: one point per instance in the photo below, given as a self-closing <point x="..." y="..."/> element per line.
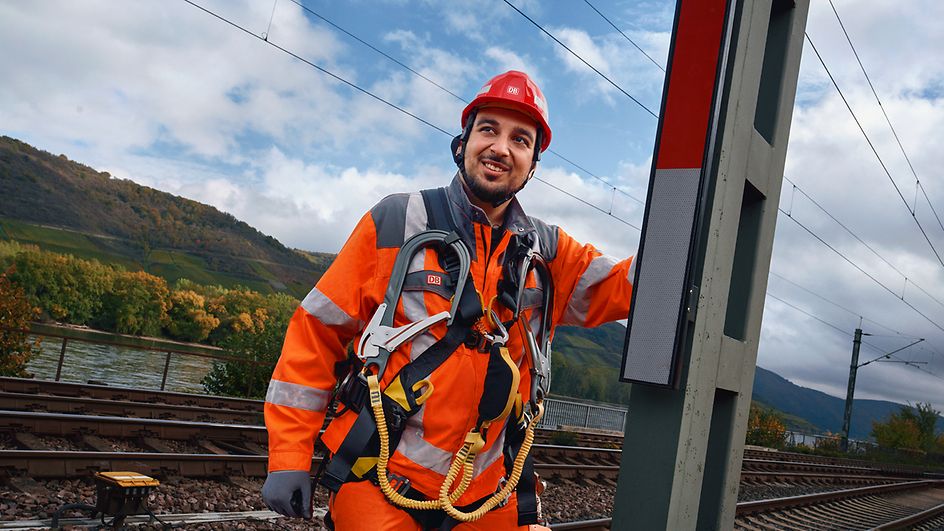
<point x="383" y="412"/>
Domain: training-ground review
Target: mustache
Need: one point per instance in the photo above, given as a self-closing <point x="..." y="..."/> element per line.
<point x="494" y="158"/>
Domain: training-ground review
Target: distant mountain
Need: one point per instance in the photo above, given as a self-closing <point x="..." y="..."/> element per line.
<point x="64" y="206"/>
<point x="586" y="363"/>
<point x="820" y="409"/>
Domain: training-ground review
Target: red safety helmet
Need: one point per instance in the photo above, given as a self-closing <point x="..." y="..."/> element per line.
<point x="513" y="90"/>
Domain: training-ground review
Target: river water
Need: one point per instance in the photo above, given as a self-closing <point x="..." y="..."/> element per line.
<point x="120" y="366"/>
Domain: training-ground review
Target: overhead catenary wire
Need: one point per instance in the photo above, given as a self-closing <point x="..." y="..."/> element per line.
<point x="855" y="313"/>
<point x="874" y="150"/>
<point x="836" y="304"/>
<point x="796" y="188"/>
<point x="265" y="36"/>
<point x="846" y="333"/>
<point x="888" y="120"/>
<point x="453" y="94"/>
<point x="374" y="48"/>
<point x="584" y="61"/>
<point x="863" y="271"/>
<point x="625" y="36"/>
<point x="319" y="68"/>
<point x="388" y="103"/>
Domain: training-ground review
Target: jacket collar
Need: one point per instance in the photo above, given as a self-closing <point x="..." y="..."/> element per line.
<point x="516" y="221"/>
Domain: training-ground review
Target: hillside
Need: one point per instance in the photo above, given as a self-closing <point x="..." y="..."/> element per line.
<point x="587" y="361"/>
<point x="65" y="206"/>
<point x="822" y="410"/>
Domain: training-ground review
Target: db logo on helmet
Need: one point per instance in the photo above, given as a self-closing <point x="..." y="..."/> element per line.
<point x="513" y="90"/>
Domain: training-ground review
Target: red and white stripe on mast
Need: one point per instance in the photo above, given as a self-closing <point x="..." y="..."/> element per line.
<point x="665" y="295"/>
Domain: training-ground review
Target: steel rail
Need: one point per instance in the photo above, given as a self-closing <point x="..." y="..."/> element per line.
<point x="599" y="524"/>
<point x="56" y="464"/>
<point x="65" y="464"/>
<point x="127" y="408"/>
<point x="75" y="425"/>
<point x="568" y="462"/>
<point x="109" y="392"/>
<point x="909" y="522"/>
<point x="860" y="508"/>
<point x="766" y="478"/>
<point x="820" y="497"/>
<point x="167" y="518"/>
<point x="67" y="424"/>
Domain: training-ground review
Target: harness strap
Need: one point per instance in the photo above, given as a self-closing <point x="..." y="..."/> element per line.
<point x="438" y="215"/>
<point x="527" y="494"/>
<point x="361" y="441"/>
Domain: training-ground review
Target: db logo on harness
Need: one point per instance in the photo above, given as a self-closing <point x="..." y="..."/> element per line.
<point x="434" y="280"/>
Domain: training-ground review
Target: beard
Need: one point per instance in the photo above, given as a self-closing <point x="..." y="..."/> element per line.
<point x="479" y="186"/>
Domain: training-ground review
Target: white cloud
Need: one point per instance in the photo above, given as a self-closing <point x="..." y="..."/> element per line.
<point x="616" y="59"/>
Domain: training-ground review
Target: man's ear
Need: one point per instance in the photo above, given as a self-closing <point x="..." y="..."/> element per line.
<point x="457" y="149"/>
<point x="534" y="168"/>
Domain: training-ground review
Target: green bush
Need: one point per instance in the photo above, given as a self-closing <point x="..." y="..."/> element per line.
<point x="259" y="342"/>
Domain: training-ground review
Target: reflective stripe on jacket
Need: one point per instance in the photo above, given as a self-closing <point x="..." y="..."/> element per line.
<point x="590" y="289"/>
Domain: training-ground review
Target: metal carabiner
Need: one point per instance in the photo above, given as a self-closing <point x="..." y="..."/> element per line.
<point x="377" y="336"/>
<point x="502" y="338"/>
<point x="380" y="338"/>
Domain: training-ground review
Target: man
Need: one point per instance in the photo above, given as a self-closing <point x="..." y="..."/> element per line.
<point x="505" y="129"/>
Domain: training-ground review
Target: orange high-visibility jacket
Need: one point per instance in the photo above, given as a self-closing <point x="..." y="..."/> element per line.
<point x="590" y="289"/>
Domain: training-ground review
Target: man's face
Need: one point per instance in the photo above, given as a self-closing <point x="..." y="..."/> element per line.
<point x="499" y="153"/>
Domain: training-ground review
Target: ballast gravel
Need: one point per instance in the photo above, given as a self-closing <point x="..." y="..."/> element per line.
<point x="563" y="501"/>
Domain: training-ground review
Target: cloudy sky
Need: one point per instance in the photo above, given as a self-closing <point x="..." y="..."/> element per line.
<point x="172" y="97"/>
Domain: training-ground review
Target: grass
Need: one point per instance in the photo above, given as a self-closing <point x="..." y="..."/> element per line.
<point x="28" y="233"/>
<point x="168" y="264"/>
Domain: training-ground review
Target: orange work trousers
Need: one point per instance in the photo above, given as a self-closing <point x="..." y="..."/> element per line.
<point x="361" y="506"/>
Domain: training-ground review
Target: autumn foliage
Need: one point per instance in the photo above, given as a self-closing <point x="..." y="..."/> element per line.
<point x="765" y="427"/>
<point x="16" y="312"/>
<point x="912" y="428"/>
<point x="107" y="297"/>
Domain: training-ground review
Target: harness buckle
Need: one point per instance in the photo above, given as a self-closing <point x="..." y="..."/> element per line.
<point x="401" y="484"/>
<point x="353" y="391"/>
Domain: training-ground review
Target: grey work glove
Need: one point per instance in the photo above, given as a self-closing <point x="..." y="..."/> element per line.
<point x="288" y="492"/>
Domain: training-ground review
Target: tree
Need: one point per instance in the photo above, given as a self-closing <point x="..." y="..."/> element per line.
<point x="243" y="376"/>
<point x="136" y="304"/>
<point x="187" y="318"/>
<point x="239" y="310"/>
<point x="765" y="427"/>
<point x="16" y="312"/>
<point x="64" y="287"/>
<point x="898" y="431"/>
<point x="924" y="417"/>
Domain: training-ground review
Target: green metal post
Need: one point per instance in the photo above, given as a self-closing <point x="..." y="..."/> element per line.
<point x="853" y="368"/>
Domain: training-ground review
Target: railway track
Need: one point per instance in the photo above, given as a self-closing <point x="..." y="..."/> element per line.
<point x="90" y="437"/>
<point x="915" y="505"/>
<point x="215" y="449"/>
<point x="910" y="504"/>
<point x="200" y="436"/>
<point x="24" y="394"/>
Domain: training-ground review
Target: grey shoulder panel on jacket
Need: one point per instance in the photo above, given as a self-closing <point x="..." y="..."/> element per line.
<point x="389" y="217"/>
<point x="548" y="236"/>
